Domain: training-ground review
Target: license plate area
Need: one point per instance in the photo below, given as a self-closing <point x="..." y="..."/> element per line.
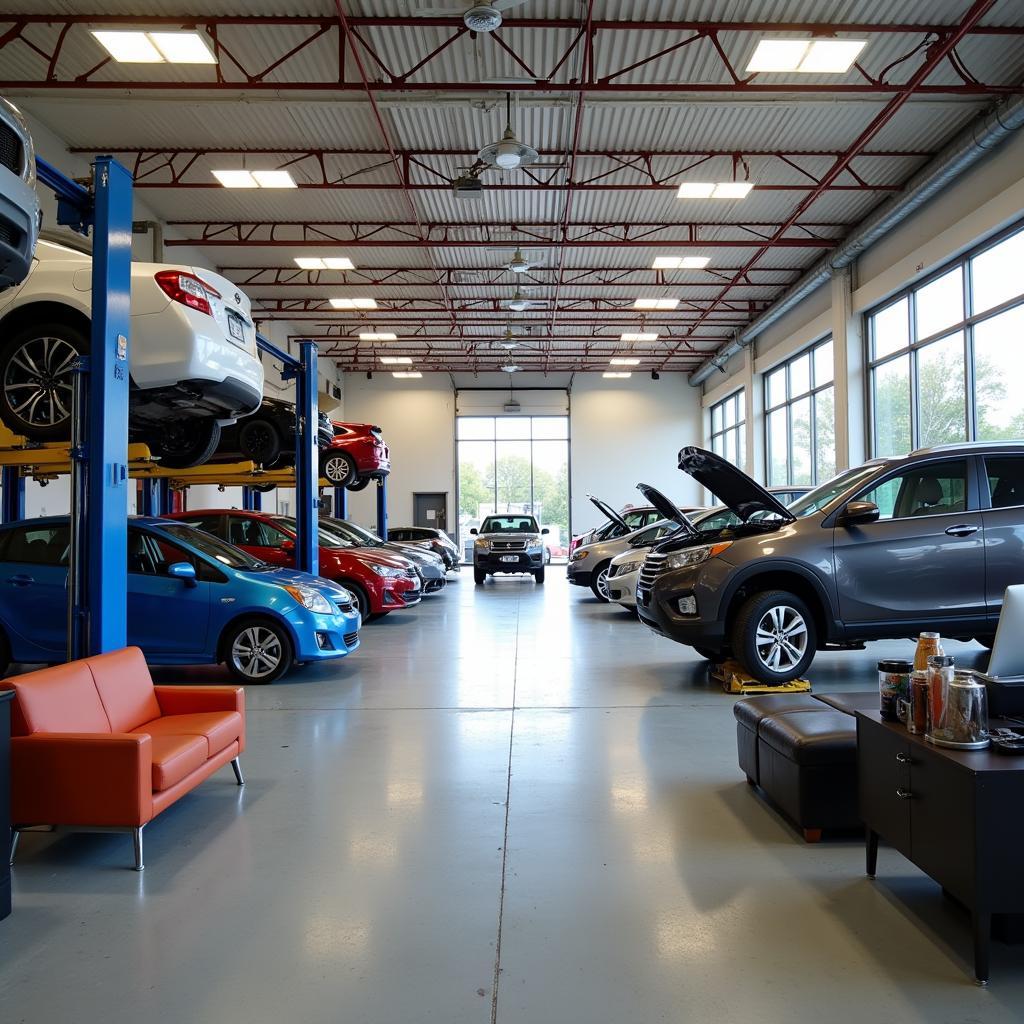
<point x="236" y="328"/>
<point x="510" y="558"/>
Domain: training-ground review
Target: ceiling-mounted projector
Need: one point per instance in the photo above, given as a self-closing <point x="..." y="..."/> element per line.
<point x="512" y="405"/>
<point x="467" y="186"/>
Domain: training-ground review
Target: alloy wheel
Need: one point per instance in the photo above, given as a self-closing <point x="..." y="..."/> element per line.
<point x="781" y="638"/>
<point x="602" y="583"/>
<point x="256" y="652"/>
<point x="37" y="385"/>
<point x="337" y="470"/>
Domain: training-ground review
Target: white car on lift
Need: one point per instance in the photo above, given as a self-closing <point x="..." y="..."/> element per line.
<point x="193" y="360"/>
<point x="19" y="202"/>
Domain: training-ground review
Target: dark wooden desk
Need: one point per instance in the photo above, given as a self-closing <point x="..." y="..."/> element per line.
<point x="955" y="814"/>
<point x="6" y="697"/>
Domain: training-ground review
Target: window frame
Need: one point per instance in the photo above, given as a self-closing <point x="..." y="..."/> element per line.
<point x="915" y="345"/>
<point x="974" y="495"/>
<point x="738" y="426"/>
<point x="811" y="393"/>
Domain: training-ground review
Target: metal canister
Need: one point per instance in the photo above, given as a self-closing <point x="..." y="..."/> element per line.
<point x="893" y="687"/>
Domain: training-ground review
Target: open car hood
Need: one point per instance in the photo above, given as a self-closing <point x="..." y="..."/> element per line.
<point x="730" y="485"/>
<point x="666" y="508"/>
<point x="608" y="512"/>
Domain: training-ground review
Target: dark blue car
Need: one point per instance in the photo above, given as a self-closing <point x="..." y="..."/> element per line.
<point x="192" y="599"/>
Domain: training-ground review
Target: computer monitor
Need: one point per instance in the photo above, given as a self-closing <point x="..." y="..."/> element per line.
<point x="1008" y="650"/>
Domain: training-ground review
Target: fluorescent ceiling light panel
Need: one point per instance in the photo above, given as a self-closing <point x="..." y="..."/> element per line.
<point x="309" y="263"/>
<point x="353" y="303"/>
<point x="129" y="47"/>
<point x="386" y="336"/>
<point x="395" y="360"/>
<point x="696" y="190"/>
<point x="236" y="179"/>
<point x="638" y="337"/>
<point x="328" y="263"/>
<point x="510" y="368"/>
<point x="694" y="262"/>
<point x="182" y="47"/>
<point x="407" y="374"/>
<point x="655" y="303"/>
<point x="616" y="375"/>
<point x="274" y="179"/>
<point x="832" y="56"/>
<point x="666" y="262"/>
<point x="338" y="263"/>
<point x="620" y="361"/>
<point x="778" y="55"/>
<point x="732" y="190"/>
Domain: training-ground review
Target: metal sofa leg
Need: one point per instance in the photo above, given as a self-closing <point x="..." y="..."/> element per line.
<point x="137" y="841"/>
<point x="239" y="778"/>
<point x="15" y="836"/>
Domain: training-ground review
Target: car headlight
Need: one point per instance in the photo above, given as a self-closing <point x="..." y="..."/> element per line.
<point x="311" y="599"/>
<point x="386" y="570"/>
<point x="534" y="547"/>
<point x="626" y="567"/>
<point x="578" y="556"/>
<point x="483" y="543"/>
<point x="694" y="556"/>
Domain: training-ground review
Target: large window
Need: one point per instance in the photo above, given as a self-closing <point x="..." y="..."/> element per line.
<point x="944" y="354"/>
<point x="800" y="418"/>
<point x="514" y="464"/>
<point x="728" y="429"/>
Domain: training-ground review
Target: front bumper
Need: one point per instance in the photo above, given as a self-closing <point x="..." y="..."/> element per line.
<point x="658" y="606"/>
<point x="19" y="227"/>
<point x="503" y="561"/>
<point x="579" y="573"/>
<point x="401" y="593"/>
<point x="323" y="637"/>
<point x="622" y="589"/>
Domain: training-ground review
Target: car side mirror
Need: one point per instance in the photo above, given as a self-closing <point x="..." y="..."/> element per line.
<point x="545" y="530"/>
<point x="183" y="571"/>
<point x="288" y="545"/>
<point x="473" y="531"/>
<point x="858" y="513"/>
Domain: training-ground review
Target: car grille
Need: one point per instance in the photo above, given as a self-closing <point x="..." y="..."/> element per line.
<point x="653" y="567"/>
<point x="350" y="639"/>
<point x="412" y="574"/>
<point x="346" y="606"/>
<point x="10" y="149"/>
<point x="10" y="236"/>
<point x="508" y="545"/>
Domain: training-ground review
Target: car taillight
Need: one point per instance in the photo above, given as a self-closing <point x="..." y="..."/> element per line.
<point x="187" y="289"/>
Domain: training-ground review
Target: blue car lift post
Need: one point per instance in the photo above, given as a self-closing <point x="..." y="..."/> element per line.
<point x="307" y="454"/>
<point x="98" y="564"/>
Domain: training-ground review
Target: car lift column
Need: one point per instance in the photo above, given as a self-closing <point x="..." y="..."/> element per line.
<point x="382" y="507"/>
<point x="341" y="502"/>
<point x="251" y="499"/>
<point x="307" y="462"/>
<point x="13" y="495"/>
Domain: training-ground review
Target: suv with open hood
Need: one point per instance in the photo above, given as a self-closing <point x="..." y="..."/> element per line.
<point x="929" y="541"/>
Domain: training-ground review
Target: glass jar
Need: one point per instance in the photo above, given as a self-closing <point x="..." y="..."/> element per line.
<point x="917" y="711"/>
<point x="893" y="687"/>
<point x="940" y="675"/>
<point x="928" y="645"/>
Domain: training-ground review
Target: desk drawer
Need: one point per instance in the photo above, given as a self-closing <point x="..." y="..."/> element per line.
<point x="883" y="771"/>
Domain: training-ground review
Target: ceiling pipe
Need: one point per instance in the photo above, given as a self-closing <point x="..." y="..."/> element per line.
<point x="979" y="138"/>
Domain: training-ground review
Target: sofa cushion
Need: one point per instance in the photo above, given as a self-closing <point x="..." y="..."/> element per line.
<point x="855" y="700"/>
<point x="125" y="687"/>
<point x="217" y="728"/>
<point x="753" y="709"/>
<point x="175" y="757"/>
<point x="828" y="737"/>
<point x="59" y="699"/>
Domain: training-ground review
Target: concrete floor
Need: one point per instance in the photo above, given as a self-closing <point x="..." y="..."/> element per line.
<point x="513" y="804"/>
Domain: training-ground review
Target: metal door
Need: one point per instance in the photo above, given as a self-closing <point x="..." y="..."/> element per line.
<point x="430" y="510"/>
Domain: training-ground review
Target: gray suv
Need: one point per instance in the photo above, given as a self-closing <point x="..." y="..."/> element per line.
<point x="893" y="547"/>
<point x="508" y="543"/>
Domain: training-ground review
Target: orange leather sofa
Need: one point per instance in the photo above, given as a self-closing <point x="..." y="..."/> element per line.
<point x="95" y="745"/>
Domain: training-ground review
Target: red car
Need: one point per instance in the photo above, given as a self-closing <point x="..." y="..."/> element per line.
<point x="380" y="581"/>
<point x="356" y="456"/>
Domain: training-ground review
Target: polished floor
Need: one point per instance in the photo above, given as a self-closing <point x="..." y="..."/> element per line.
<point x="513" y="804"/>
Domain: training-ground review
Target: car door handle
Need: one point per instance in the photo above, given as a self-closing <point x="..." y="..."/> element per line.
<point x="20" y="581"/>
<point x="963" y="530"/>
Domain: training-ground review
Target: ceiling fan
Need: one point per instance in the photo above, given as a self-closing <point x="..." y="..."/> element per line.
<point x="479" y="17"/>
<point x="519" y="264"/>
<point x="519" y="302"/>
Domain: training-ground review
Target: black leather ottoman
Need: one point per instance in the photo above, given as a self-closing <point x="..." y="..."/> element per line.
<point x="808" y="766"/>
<point x="749" y="714"/>
<point x="855" y="700"/>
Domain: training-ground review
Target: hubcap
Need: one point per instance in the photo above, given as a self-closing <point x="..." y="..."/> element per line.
<point x="602" y="584"/>
<point x="336" y="470"/>
<point x="37" y="387"/>
<point x="256" y="652"/>
<point x="781" y="638"/>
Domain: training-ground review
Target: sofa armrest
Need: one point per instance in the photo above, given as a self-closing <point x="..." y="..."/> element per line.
<point x="82" y="779"/>
<point x="187" y="700"/>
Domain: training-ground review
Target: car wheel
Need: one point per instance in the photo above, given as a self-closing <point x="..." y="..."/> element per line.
<point x="360" y="484"/>
<point x="257" y="651"/>
<point x="479" y="576"/>
<point x="599" y="584"/>
<point x="259" y="440"/>
<point x="360" y="599"/>
<point x="774" y="636"/>
<point x="539" y="575"/>
<point x="35" y="369"/>
<point x="337" y="468"/>
<point x="186" y="443"/>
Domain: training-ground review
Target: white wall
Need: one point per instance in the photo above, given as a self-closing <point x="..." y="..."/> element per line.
<point x="622" y="432"/>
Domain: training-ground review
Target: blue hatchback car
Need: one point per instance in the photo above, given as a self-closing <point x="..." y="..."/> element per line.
<point x="192" y="599"/>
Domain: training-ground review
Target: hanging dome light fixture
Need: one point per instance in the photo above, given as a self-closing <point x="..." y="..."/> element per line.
<point x="509" y="152"/>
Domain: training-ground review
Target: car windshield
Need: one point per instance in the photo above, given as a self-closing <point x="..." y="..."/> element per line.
<point x="329" y="538"/>
<point x="509" y="524"/>
<point x="820" y="497"/>
<point x="349" y="531"/>
<point x="212" y="547"/>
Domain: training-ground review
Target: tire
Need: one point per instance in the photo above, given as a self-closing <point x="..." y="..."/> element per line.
<point x="599" y="582"/>
<point x="266" y="635"/>
<point x="185" y="443"/>
<point x="35" y="380"/>
<point x="774" y="613"/>
<point x="479" y="576"/>
<point x="360" y="597"/>
<point x="360" y="484"/>
<point x="338" y="468"/>
<point x="539" y="575"/>
<point x="260" y="440"/>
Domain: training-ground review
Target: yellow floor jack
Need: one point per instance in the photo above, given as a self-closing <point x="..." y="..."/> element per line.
<point x="735" y="680"/>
